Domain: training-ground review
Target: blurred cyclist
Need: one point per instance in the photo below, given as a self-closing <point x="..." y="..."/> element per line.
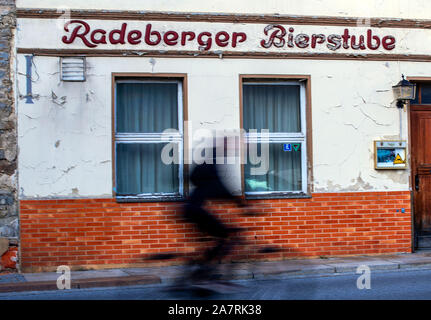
<point x="209" y="185"/>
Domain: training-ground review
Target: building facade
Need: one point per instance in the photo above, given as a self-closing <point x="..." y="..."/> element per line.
<point x="345" y="166"/>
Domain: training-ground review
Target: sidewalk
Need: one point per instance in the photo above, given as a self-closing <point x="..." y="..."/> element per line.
<point x="15" y="282"/>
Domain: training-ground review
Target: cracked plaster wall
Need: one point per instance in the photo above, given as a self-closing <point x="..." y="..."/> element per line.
<point x="65" y="148"/>
<point x="64" y="137"/>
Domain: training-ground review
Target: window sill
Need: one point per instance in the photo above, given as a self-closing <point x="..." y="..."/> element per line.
<point x="278" y="196"/>
<point x="150" y="199"/>
<point x="181" y="198"/>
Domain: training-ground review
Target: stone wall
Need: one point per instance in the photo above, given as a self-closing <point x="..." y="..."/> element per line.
<point x="8" y="136"/>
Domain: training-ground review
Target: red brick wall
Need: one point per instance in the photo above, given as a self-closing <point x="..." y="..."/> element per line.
<point x="102" y="232"/>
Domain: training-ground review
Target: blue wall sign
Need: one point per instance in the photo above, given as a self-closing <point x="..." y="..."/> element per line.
<point x="287" y="147"/>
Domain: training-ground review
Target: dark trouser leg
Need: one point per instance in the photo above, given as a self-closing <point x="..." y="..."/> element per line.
<point x="210" y="225"/>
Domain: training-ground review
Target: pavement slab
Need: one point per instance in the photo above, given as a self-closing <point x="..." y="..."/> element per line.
<point x="12" y="278"/>
<point x="90" y="274"/>
<point x="293" y="271"/>
<point x="406" y="261"/>
<point x="351" y="266"/>
<point x="79" y="283"/>
<point x="415" y="264"/>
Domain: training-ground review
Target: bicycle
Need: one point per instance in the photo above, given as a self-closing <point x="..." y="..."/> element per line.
<point x="206" y="279"/>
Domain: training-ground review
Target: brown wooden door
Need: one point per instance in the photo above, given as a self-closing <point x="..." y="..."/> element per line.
<point x="421" y="171"/>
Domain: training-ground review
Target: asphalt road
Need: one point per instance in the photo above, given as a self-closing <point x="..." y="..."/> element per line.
<point x="402" y="284"/>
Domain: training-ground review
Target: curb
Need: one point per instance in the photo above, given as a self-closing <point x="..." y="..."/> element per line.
<point x="79" y="283"/>
<point x="418" y="265"/>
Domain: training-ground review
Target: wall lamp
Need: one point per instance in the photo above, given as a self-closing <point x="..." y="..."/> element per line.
<point x="404" y="91"/>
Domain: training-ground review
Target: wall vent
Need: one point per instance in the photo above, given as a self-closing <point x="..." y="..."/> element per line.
<point x="72" y="69"/>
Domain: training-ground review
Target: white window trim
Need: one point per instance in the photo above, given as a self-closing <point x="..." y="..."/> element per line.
<point x="286" y="137"/>
<point x="152" y="138"/>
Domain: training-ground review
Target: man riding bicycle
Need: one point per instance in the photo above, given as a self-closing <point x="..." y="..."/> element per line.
<point x="209" y="185"/>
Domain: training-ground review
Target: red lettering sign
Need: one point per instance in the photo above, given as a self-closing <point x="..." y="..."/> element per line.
<point x="273" y="36"/>
<point x="278" y="36"/>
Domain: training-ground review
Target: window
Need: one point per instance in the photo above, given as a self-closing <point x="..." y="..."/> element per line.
<point x="144" y="108"/>
<point x="423" y="93"/>
<point x="279" y="107"/>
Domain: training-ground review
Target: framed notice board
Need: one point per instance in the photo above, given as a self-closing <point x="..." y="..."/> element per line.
<point x="390" y="154"/>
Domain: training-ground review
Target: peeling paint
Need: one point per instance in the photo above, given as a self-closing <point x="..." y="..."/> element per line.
<point x="152" y="63"/>
<point x="398" y="177"/>
<point x="59" y="101"/>
<point x="357" y="184"/>
<point x="361" y="185"/>
<point x="69" y="169"/>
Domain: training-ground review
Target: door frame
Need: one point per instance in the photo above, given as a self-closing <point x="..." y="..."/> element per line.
<point x="410" y="108"/>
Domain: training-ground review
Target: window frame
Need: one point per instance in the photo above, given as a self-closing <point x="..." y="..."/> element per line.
<point x="303" y="137"/>
<point x="151" y="138"/>
<point x="419" y="82"/>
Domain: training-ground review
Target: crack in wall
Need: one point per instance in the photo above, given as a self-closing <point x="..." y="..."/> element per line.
<point x="374" y="120"/>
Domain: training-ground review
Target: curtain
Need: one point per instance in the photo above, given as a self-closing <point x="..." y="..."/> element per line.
<point x="140" y="170"/>
<point x="275" y="107"/>
<point x="145" y="108"/>
<point x="284" y="173"/>
<point x="272" y="107"/>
